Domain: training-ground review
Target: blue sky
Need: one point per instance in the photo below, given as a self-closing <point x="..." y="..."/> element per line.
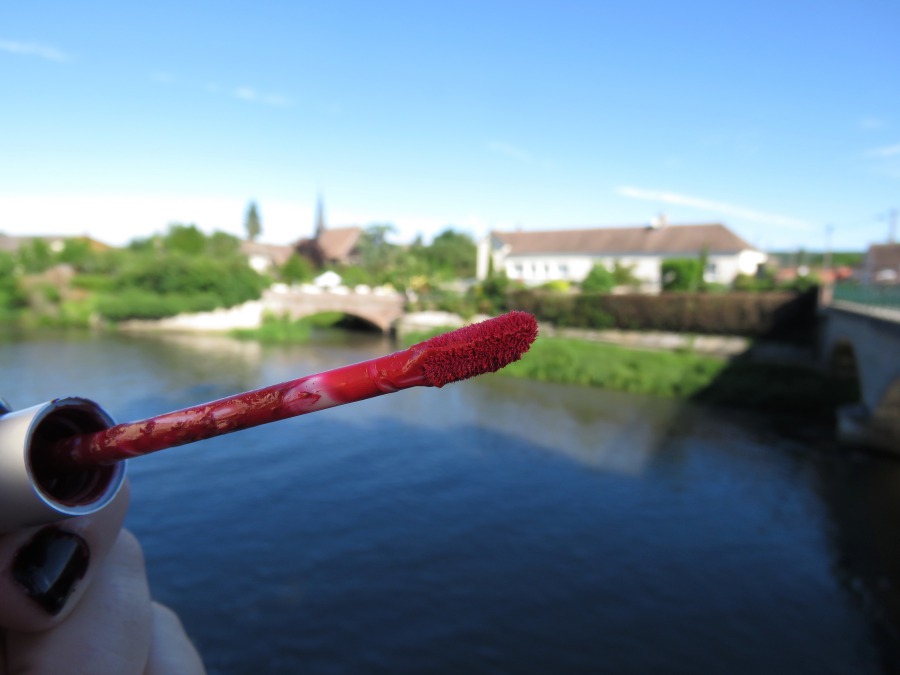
<point x="777" y="118"/>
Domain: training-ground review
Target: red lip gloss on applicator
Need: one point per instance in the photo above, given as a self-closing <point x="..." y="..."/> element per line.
<point x="65" y="457"/>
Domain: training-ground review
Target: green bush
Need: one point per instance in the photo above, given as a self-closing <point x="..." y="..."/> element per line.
<point x="438" y="299"/>
<point x="557" y="286"/>
<point x="682" y="274"/>
<point x="95" y="282"/>
<point x="50" y="293"/>
<point x="748" y="282"/>
<point x="12" y="295"/>
<point x="278" y="330"/>
<point x="135" y="303"/>
<point x="491" y="296"/>
<point x="801" y="284"/>
<point x="296" y="269"/>
<point x="598" y="280"/>
<point x="232" y="281"/>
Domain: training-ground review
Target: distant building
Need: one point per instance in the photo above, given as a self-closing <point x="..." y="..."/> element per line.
<point x="334" y="246"/>
<point x="265" y="257"/>
<point x="337" y="246"/>
<point x="881" y="264"/>
<point x="538" y="257"/>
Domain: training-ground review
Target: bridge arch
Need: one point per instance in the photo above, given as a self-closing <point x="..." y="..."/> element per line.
<point x="381" y="310"/>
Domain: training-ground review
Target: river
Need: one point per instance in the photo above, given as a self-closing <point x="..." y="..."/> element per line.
<point x="492" y="526"/>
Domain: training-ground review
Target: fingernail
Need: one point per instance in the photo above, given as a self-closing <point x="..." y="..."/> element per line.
<point x="49" y="567"/>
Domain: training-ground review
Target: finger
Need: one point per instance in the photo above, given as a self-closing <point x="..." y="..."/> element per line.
<point x="171" y="651"/>
<point x="107" y="633"/>
<point x="44" y="571"/>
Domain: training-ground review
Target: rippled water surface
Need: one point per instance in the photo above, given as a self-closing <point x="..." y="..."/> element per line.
<point x="495" y="525"/>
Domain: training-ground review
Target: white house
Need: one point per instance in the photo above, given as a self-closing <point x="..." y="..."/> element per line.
<point x="538" y="257"/>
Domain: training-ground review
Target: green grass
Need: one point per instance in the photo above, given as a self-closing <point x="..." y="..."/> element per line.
<point x="283" y="330"/>
<point x="679" y="374"/>
<point x="569" y="361"/>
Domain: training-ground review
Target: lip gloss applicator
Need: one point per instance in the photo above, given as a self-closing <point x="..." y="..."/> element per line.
<point x="66" y="457"/>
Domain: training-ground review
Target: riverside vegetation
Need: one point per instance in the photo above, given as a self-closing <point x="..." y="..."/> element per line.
<point x="185" y="270"/>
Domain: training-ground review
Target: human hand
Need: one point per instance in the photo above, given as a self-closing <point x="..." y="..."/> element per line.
<point x="74" y="599"/>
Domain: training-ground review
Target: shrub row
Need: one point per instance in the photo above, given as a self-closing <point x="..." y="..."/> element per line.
<point x="155" y="286"/>
<point x="785" y="316"/>
<point x="134" y="303"/>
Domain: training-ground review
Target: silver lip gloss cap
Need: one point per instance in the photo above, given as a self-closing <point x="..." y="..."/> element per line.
<point x="32" y="490"/>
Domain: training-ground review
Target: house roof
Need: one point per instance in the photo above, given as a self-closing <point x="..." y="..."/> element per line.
<point x="278" y="254"/>
<point x="669" y="239"/>
<point x="883" y="256"/>
<point x="13" y="243"/>
<point x="337" y="243"/>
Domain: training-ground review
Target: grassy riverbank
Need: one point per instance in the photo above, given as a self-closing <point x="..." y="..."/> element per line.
<point x="284" y="330"/>
<point x="680" y="374"/>
<point x="572" y="361"/>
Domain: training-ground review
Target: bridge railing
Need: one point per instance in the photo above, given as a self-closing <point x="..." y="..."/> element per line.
<point x="870" y="295"/>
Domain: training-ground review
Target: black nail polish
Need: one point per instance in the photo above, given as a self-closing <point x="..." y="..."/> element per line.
<point x="50" y="565"/>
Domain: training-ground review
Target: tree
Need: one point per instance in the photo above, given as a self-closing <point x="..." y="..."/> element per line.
<point x="452" y="255"/>
<point x="77" y="253"/>
<point x="252" y="223"/>
<point x="598" y="280"/>
<point x="623" y="275"/>
<point x="296" y="269"/>
<point x="184" y="239"/>
<point x="377" y="255"/>
<point x="222" y="245"/>
<point x="11" y="294"/>
<point x="682" y="274"/>
<point x="36" y="256"/>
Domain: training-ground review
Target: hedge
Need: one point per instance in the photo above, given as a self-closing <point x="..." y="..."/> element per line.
<point x="778" y="315"/>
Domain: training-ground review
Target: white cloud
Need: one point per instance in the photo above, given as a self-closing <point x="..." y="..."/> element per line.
<point x="276" y="100"/>
<point x="243" y="93"/>
<point x="886" y="151"/>
<point x="254" y="96"/>
<point x="246" y="93"/>
<point x="872" y="123"/>
<point x="507" y="150"/>
<point x="518" y="154"/>
<point x="721" y="208"/>
<point x="511" y="151"/>
<point x="33" y="49"/>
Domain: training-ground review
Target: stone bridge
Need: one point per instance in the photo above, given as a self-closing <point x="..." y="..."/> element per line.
<point x="865" y="341"/>
<point x="381" y="309"/>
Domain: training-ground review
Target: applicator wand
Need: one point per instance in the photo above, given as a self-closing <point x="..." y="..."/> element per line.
<point x="65" y="457"/>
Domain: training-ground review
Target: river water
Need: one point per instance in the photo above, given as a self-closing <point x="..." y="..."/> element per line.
<point x="493" y="526"/>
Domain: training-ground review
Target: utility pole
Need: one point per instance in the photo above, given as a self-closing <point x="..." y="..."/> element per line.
<point x="892" y="225"/>
<point x="826" y="263"/>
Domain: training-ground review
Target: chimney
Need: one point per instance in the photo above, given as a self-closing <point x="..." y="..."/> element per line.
<point x="659" y="222"/>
